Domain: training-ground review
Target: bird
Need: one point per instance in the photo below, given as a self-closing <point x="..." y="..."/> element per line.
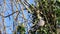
<point x="41" y="22"/>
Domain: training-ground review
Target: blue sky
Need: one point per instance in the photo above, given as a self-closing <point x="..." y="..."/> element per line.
<point x="9" y="23"/>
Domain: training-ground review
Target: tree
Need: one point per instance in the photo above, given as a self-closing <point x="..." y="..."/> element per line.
<point x="42" y="15"/>
<point x="47" y="11"/>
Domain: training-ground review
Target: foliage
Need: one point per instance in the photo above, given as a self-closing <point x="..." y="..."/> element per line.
<point x="47" y="10"/>
<point x="20" y="29"/>
<point x="58" y="11"/>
